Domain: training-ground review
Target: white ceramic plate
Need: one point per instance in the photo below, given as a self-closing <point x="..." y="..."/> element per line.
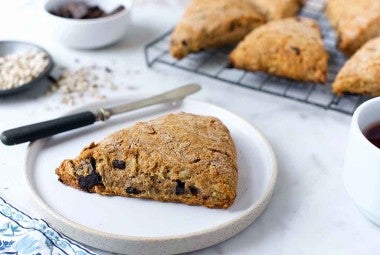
<point x="136" y="226"/>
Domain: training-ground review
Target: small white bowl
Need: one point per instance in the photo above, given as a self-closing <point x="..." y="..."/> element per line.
<point x="89" y="33"/>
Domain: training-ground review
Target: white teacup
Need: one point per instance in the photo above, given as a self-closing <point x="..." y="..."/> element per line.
<point x="361" y="174"/>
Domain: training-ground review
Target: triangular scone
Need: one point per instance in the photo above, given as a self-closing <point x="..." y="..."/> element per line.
<point x="177" y="157"/>
<point x="278" y="9"/>
<point x="290" y="48"/>
<point x="361" y="73"/>
<point x="355" y="21"/>
<point x="213" y="23"/>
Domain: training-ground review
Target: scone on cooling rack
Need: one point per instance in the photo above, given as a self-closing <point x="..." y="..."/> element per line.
<point x="361" y="73"/>
<point x="278" y="9"/>
<point x="213" y="23"/>
<point x="355" y="21"/>
<point x="290" y="48"/>
<point x="175" y="158"/>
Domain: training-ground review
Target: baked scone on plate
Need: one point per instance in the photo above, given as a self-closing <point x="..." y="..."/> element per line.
<point x="291" y="48"/>
<point x="213" y="23"/>
<point x="175" y="158"/>
<point x="355" y="21"/>
<point x="278" y="9"/>
<point x="361" y="73"/>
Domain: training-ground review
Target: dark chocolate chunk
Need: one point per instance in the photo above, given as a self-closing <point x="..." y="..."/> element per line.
<point x="296" y="50"/>
<point x="95" y="12"/>
<point x="180" y="188"/>
<point x="229" y="65"/>
<point x="184" y="43"/>
<point x="196" y="160"/>
<point x="78" y="10"/>
<point x="194" y="191"/>
<point x="64" y="12"/>
<point x="117" y="10"/>
<point x="81" y="10"/>
<point x="87" y="182"/>
<point x="119" y="164"/>
<point x="234" y="25"/>
<point x="92" y="165"/>
<point x="133" y="190"/>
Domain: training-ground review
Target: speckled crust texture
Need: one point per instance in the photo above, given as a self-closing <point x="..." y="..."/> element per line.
<point x="355" y="21"/>
<point x="290" y="48"/>
<point x="361" y="73"/>
<point x="213" y="23"/>
<point x="178" y="157"/>
<point x="278" y="9"/>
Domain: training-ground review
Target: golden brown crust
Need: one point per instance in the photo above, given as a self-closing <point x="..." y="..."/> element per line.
<point x="178" y="157"/>
<point x="278" y="9"/>
<point x="355" y="21"/>
<point x="213" y="23"/>
<point x="361" y="73"/>
<point x="290" y="48"/>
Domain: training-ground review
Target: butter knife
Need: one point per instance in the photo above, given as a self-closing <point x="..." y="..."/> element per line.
<point x="55" y="126"/>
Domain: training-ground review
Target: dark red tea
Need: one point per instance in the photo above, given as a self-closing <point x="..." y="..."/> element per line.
<point x="373" y="134"/>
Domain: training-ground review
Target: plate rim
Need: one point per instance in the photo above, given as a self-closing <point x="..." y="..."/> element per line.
<point x="258" y="206"/>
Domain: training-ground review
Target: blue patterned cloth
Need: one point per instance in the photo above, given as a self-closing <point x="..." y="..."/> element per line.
<point x="21" y="234"/>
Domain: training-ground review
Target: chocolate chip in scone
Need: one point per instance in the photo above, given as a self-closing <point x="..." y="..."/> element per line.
<point x="296" y="50"/>
<point x="118" y="164"/>
<point x="196" y="160"/>
<point x="132" y="190"/>
<point x="92" y="165"/>
<point x="184" y="43"/>
<point x="87" y="182"/>
<point x="193" y="190"/>
<point x="229" y="65"/>
<point x="180" y="188"/>
<point x="234" y="25"/>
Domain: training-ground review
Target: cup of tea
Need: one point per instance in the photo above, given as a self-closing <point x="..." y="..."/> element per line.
<point x="361" y="173"/>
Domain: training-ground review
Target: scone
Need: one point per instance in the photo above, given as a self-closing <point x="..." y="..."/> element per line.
<point x="213" y="23"/>
<point x="175" y="158"/>
<point x="361" y="73"/>
<point x="290" y="48"/>
<point x="355" y="21"/>
<point x="278" y="9"/>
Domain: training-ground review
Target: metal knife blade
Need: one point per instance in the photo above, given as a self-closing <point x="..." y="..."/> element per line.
<point x="170" y="96"/>
<point x="51" y="127"/>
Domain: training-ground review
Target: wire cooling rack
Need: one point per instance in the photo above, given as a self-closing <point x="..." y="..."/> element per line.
<point x="214" y="63"/>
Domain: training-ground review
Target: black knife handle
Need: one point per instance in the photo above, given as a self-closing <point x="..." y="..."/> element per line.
<point x="47" y="128"/>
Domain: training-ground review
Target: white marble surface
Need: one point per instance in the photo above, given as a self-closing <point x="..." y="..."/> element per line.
<point x="310" y="212"/>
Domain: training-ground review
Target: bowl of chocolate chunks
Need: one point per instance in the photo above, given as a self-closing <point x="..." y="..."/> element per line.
<point x="87" y="24"/>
